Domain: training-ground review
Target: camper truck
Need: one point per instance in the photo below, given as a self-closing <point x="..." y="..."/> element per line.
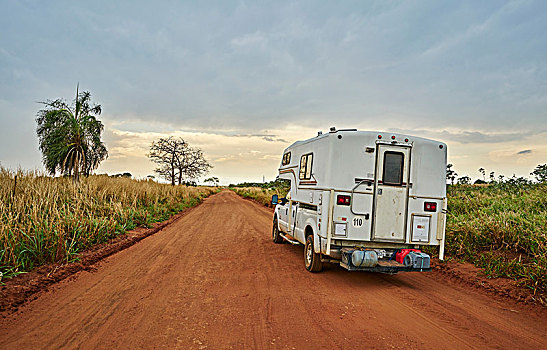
<point x="369" y="201"/>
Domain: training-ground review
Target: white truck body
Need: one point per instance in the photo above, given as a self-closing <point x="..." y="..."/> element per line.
<point x="396" y="185"/>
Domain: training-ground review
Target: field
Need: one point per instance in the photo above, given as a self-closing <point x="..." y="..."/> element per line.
<point x="501" y="228"/>
<point x="45" y="220"/>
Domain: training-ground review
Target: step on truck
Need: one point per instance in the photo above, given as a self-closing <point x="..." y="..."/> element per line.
<point x="368" y="201"/>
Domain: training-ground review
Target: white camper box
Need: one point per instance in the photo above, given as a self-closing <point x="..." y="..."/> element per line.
<point x="358" y="197"/>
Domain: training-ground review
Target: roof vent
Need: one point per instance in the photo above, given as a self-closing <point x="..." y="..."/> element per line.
<point x="319" y="133"/>
<point x="332" y="129"/>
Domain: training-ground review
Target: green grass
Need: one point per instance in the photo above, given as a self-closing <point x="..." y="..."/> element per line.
<point x="262" y="192"/>
<point x="502" y="229"/>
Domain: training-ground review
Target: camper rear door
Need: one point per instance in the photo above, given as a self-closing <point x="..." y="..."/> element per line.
<point x="391" y="193"/>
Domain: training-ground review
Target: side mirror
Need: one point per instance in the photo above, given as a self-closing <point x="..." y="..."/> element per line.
<point x="275" y="199"/>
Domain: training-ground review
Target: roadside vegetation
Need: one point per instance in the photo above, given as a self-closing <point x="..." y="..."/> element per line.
<point x="502" y="228"/>
<point x="46" y="220"/>
<point x="499" y="226"/>
<point x="261" y="192"/>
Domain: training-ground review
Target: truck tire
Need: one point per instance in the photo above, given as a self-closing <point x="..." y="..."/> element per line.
<point x="276" y="237"/>
<point x="312" y="260"/>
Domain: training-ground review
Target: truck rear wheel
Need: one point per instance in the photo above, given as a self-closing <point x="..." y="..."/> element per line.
<point x="311" y="258"/>
<point x="276" y="237"/>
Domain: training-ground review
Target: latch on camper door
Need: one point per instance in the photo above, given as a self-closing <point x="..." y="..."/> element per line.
<point x="379" y="191"/>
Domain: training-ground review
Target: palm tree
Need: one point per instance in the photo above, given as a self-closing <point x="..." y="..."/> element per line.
<point x="483" y="172"/>
<point x="70" y="136"/>
<point x="451" y="174"/>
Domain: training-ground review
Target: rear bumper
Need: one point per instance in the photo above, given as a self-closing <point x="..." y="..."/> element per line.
<point x="385" y="268"/>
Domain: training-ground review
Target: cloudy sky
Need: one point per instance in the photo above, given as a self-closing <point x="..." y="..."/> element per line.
<point x="244" y="79"/>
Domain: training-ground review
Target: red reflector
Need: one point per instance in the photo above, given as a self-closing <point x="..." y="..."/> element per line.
<point x="393" y="137"/>
<point x="379" y="136"/>
<point x="342" y="200"/>
<point x="430" y="206"/>
<point x="406" y="140"/>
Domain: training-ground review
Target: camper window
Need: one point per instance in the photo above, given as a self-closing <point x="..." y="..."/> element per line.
<point x="305" y="166"/>
<point x="286" y="158"/>
<point x="393" y="168"/>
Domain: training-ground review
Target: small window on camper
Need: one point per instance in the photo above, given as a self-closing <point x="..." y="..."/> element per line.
<point x="286" y="158"/>
<point x="393" y="168"/>
<point x="305" y="166"/>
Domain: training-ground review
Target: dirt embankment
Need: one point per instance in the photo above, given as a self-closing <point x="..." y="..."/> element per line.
<point x="214" y="279"/>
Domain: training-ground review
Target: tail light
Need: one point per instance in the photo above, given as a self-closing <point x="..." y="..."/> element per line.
<point x="430" y="206"/>
<point x="343" y="200"/>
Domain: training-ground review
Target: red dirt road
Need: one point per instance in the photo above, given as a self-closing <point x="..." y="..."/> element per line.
<point x="213" y="279"/>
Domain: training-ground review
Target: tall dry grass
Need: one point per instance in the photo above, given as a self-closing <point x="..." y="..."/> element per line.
<point x="44" y="219"/>
<point x="261" y="195"/>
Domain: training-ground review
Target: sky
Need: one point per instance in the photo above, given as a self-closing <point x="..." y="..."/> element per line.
<point x="242" y="80"/>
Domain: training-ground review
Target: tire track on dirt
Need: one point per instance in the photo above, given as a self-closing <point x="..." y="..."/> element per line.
<point x="214" y="279"/>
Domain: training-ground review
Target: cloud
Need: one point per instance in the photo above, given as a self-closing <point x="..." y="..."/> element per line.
<point x="272" y="139"/>
<point x="236" y="76"/>
<point x="235" y="157"/>
<point x="477" y="137"/>
<point x="252" y="39"/>
<point x="526" y="151"/>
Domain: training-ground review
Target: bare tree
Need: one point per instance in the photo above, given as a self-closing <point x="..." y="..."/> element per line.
<point x="191" y="163"/>
<point x="177" y="161"/>
<point x="164" y="154"/>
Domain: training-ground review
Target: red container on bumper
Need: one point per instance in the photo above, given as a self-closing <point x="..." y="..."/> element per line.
<point x="400" y="255"/>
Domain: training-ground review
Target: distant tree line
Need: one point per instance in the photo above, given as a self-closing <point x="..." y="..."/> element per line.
<point x="540" y="174"/>
<point x="214" y="181"/>
<point x="278" y="183"/>
<point x="123" y="175"/>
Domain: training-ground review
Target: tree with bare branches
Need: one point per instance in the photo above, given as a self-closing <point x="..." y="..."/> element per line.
<point x="177" y="161"/>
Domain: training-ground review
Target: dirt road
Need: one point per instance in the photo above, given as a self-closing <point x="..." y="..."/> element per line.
<point x="214" y="279"/>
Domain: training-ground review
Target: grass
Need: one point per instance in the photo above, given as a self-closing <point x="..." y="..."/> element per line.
<point x="261" y="195"/>
<point x="501" y="228"/>
<point x="262" y="192"/>
<point x="46" y="220"/>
